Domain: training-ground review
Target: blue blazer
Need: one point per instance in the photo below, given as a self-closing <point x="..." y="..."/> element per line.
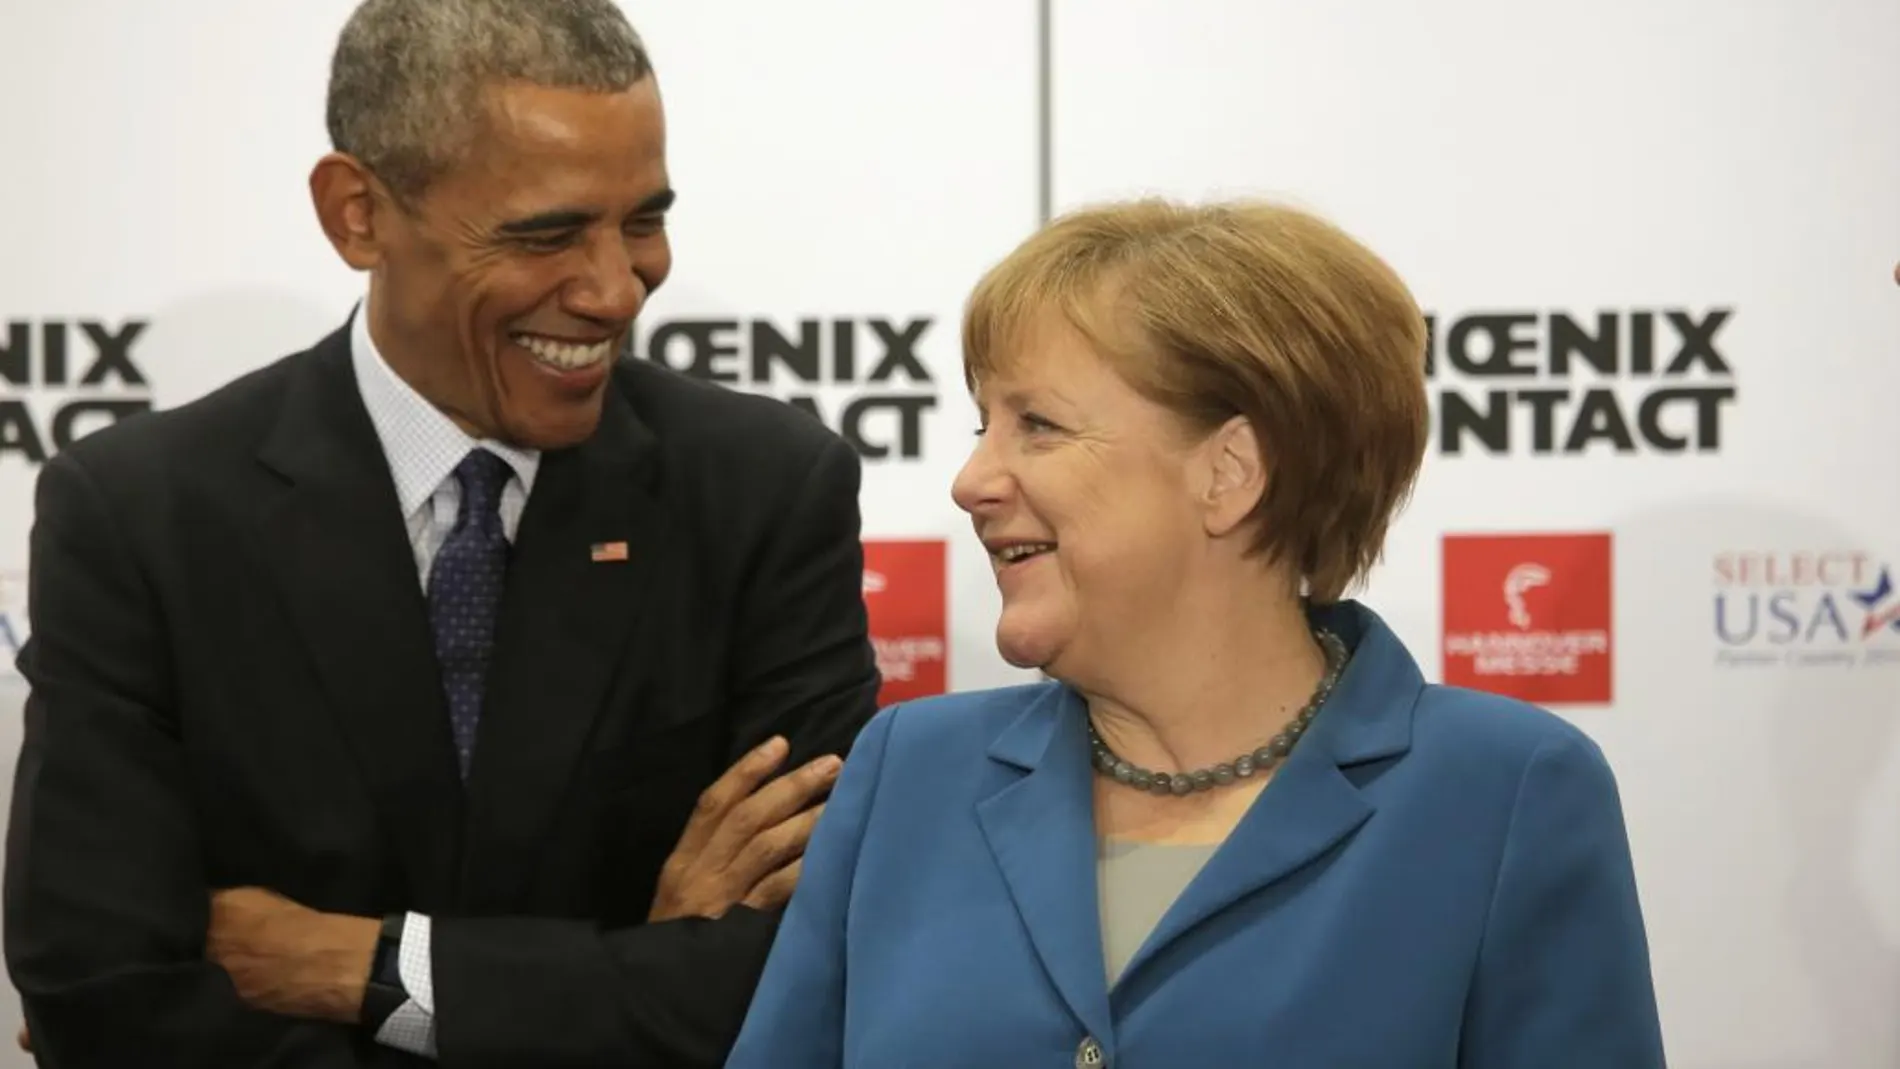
<point x="1434" y="878"/>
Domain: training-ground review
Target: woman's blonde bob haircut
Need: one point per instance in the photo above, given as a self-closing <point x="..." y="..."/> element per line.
<point x="1241" y="309"/>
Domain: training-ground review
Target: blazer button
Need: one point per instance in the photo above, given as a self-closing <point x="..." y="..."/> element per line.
<point x="1089" y="1055"/>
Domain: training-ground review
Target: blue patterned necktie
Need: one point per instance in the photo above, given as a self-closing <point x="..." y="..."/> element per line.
<point x="465" y="594"/>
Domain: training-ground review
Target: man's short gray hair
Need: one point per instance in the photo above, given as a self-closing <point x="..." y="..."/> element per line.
<point x="408" y="77"/>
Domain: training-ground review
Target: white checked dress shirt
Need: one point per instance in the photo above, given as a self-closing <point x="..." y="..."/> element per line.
<point x="423" y="446"/>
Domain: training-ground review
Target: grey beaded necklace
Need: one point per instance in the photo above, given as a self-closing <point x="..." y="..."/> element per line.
<point x="1246" y="765"/>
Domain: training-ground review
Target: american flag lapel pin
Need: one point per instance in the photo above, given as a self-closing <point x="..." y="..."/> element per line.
<point x="607" y="551"/>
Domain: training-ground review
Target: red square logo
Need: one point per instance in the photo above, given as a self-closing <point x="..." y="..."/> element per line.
<point x="1528" y="616"/>
<point x="904" y="595"/>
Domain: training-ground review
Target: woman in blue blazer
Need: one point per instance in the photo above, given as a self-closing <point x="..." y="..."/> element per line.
<point x="1237" y="828"/>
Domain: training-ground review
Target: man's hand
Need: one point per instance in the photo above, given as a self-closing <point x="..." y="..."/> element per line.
<point x="291" y="960"/>
<point x="744" y="842"/>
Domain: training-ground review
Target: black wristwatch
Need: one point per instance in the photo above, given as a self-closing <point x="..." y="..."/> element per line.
<point x="384" y="993"/>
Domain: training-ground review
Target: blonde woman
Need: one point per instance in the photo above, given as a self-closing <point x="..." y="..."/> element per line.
<point x="1236" y="827"/>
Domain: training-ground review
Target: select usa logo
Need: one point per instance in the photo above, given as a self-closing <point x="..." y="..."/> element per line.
<point x="1808" y="608"/>
<point x="905" y="598"/>
<point x="1529" y="616"/>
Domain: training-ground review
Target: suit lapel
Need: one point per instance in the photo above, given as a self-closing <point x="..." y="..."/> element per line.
<point x="566" y="623"/>
<point x="1311" y="805"/>
<point x="1308" y="808"/>
<point x="340" y="557"/>
<point x="1041" y="831"/>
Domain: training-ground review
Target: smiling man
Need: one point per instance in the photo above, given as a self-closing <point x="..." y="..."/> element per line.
<point x="451" y="690"/>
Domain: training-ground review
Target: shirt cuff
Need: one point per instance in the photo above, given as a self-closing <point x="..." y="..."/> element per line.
<point x="413" y="960"/>
<point x="412" y="1026"/>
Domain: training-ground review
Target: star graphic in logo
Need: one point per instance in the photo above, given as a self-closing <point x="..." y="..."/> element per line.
<point x="1878" y="618"/>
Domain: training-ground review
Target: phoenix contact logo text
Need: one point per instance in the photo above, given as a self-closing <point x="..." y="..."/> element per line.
<point x="865" y="378"/>
<point x="60" y="380"/>
<point x="1623" y="381"/>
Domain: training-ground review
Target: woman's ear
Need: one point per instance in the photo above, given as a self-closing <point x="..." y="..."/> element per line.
<point x="1237" y="476"/>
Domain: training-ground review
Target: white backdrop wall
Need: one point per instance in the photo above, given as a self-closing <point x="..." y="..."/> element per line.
<point x="1721" y="174"/>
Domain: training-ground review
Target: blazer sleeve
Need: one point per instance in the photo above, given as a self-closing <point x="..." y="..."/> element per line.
<point x="797" y="1017"/>
<point x="106" y="903"/>
<point x="552" y="993"/>
<point x="1563" y="975"/>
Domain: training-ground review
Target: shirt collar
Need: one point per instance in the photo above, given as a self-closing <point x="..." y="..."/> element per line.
<point x="421" y="444"/>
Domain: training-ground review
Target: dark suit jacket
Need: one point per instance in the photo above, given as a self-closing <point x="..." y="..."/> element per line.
<point x="1435" y="879"/>
<point x="233" y="683"/>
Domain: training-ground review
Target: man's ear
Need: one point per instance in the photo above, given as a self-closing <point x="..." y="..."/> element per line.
<point x="1237" y="476"/>
<point x="350" y="207"/>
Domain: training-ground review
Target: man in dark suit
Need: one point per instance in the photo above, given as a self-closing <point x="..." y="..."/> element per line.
<point x="414" y="697"/>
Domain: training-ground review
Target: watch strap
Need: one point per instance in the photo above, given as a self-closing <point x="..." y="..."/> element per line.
<point x="384" y="993"/>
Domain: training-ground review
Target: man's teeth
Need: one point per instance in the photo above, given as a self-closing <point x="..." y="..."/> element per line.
<point x="564" y="355"/>
<point x="1012" y="554"/>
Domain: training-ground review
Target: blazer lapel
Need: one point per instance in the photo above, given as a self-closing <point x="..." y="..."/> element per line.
<point x="1041" y="831"/>
<point x="1307" y="809"/>
<point x="341" y="558"/>
<point x="590" y="541"/>
<point x="1311" y="805"/>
